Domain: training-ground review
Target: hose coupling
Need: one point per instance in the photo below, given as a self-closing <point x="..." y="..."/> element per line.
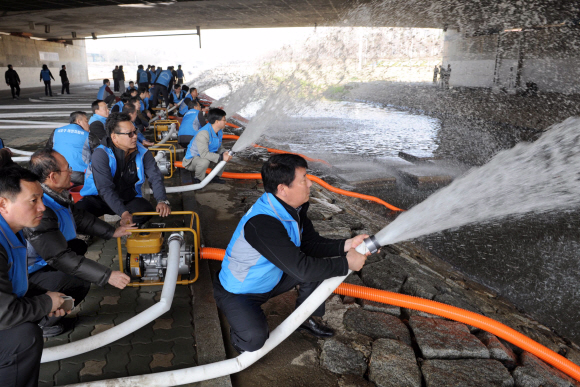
<point x="372" y="244"/>
<point x="176" y="236"/>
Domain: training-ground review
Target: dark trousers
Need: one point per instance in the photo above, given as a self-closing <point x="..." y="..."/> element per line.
<point x="15" y="89"/>
<point x="97" y="206"/>
<point x="55" y="280"/>
<point x="20" y="355"/>
<point x="248" y="325"/>
<point x="47" y="88"/>
<point x="65" y="87"/>
<point x="180" y="81"/>
<point x="115" y="85"/>
<point x="144" y="84"/>
<point x="160" y="89"/>
<point x="184" y="140"/>
<point x="110" y="99"/>
<point x="78" y="178"/>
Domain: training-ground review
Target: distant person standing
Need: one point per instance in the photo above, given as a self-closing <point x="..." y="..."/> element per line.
<point x="121" y="75"/>
<point x="447" y="76"/>
<point x="116" y="79"/>
<point x="435" y="73"/>
<point x="13" y="80"/>
<point x="441" y="77"/>
<point x="143" y="77"/>
<point x="180" y="75"/>
<point x="64" y="80"/>
<point x="45" y="76"/>
<point x="105" y="94"/>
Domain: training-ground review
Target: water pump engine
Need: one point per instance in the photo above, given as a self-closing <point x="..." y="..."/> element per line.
<point x="147" y="256"/>
<point x="164" y="162"/>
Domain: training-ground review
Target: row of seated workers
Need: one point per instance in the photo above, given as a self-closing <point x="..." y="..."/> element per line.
<point x="274" y="248"/>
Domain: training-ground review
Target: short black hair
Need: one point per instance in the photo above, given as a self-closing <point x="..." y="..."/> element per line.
<point x="131" y="82"/>
<point x="143" y="89"/>
<point x="11" y="174"/>
<point x="75" y="115"/>
<point x="125" y="97"/>
<point x="9" y="66"/>
<point x="281" y="169"/>
<point x="105" y="81"/>
<point x="214" y="115"/>
<point x="112" y="123"/>
<point x="63" y="66"/>
<point x="177" y="86"/>
<point x="95" y="105"/>
<point x="129" y="108"/>
<point x="192" y="89"/>
<point x="192" y="103"/>
<point x="43" y="163"/>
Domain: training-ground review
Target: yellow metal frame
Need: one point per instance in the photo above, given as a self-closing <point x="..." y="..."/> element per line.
<point x="196" y="243"/>
<point x="172" y="155"/>
<point x="163" y="126"/>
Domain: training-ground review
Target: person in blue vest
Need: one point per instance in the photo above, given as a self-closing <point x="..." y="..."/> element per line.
<point x="184" y="107"/>
<point x="143" y="77"/>
<point x="56" y="257"/>
<point x="97" y="121"/>
<point x="45" y="76"/>
<point x="22" y="304"/>
<point x="176" y="96"/>
<point x="131" y="86"/>
<point x="163" y="83"/>
<point x="274" y="249"/>
<point x="118" y="107"/>
<point x="206" y="146"/>
<point x="153" y="73"/>
<point x="180" y="75"/>
<point x="131" y="108"/>
<point x="72" y="141"/>
<point x="105" y="93"/>
<point x="1" y="144"/>
<point x="144" y="113"/>
<point x="115" y="176"/>
<point x="191" y="122"/>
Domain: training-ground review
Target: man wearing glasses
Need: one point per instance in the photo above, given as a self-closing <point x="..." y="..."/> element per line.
<point x="206" y="146"/>
<point x="116" y="174"/>
<point x="72" y="141"/>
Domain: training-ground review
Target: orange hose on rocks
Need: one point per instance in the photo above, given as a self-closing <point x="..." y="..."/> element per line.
<point x="447" y="311"/>
<point x="273" y="150"/>
<point x="318" y="180"/>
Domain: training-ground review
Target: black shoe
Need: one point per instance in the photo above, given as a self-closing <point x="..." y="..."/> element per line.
<point x="217" y="180"/>
<point x="316" y="328"/>
<point x="196" y="180"/>
<point x="238" y="349"/>
<point x="52" y="331"/>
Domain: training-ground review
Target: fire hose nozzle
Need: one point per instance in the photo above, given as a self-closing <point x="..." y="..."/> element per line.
<point x="369" y="244"/>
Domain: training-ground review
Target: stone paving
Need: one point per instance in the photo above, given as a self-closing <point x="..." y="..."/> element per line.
<point x="164" y="344"/>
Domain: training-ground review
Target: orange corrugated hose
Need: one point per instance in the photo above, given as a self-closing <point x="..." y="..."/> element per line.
<point x="447" y="311"/>
<point x="257" y="176"/>
<point x="271" y="150"/>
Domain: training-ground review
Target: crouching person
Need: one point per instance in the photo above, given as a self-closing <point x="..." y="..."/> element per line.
<point x="56" y="257"/>
<point x="206" y="146"/>
<point x="274" y="249"/>
<point x="115" y="176"/>
<point x="22" y="304"/>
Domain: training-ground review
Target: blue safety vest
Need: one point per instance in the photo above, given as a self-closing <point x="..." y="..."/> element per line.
<point x="90" y="188"/>
<point x="164" y="78"/>
<point x="155" y="75"/>
<point x="183" y="107"/>
<point x="45" y="75"/>
<point x="144" y="104"/>
<point x="129" y="88"/>
<point x="101" y="93"/>
<point x="120" y="104"/>
<point x="177" y="99"/>
<point x="97" y="117"/>
<point x="179" y="73"/>
<point x="143" y="77"/>
<point x="244" y="269"/>
<point x="16" y="252"/>
<point x="189" y="124"/>
<point x="70" y="141"/>
<point x="1" y="144"/>
<point x="66" y="225"/>
<point x="215" y="141"/>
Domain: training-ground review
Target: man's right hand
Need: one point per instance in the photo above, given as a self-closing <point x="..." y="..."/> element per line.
<point x="119" y="280"/>
<point x="356" y="260"/>
<point x="57" y="300"/>
<point x="126" y="218"/>
<point x="227" y="156"/>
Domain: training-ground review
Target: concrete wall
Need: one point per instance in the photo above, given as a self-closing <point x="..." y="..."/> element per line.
<point x="550" y="59"/>
<point x="25" y="56"/>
